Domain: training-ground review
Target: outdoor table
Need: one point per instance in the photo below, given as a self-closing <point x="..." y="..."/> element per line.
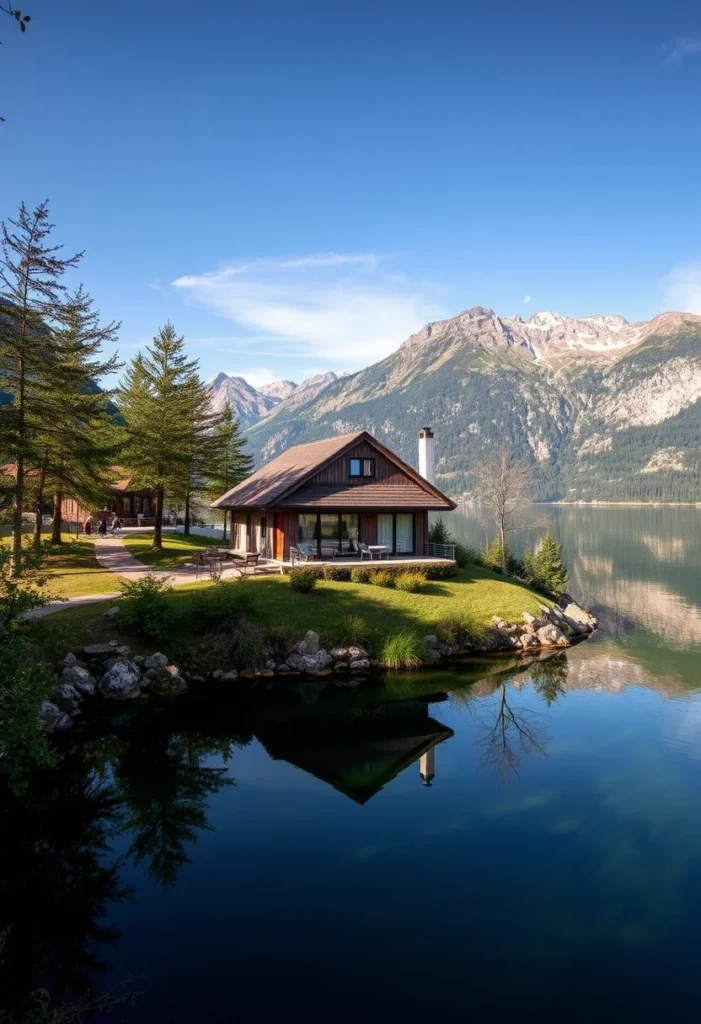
<point x="377" y="549"/>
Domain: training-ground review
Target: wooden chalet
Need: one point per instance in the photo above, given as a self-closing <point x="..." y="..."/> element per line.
<point x="132" y="504"/>
<point x="332" y="498"/>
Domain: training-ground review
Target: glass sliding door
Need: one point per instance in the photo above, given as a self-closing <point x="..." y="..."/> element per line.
<point x="349" y="534"/>
<point x="405" y="534"/>
<point x="329" y="535"/>
<point x="385" y="530"/>
<point x="307" y="535"/>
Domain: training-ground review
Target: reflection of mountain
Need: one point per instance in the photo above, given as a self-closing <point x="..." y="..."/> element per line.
<point x="359" y="753"/>
<point x="656" y="608"/>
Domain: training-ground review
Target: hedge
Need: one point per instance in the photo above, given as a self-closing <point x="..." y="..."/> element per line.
<point x="363" y="573"/>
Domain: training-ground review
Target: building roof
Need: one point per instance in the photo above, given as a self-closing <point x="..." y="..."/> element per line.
<point x="284" y="482"/>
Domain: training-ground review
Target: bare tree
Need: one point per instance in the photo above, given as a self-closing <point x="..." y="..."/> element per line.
<point x="515" y="732"/>
<point x="503" y="485"/>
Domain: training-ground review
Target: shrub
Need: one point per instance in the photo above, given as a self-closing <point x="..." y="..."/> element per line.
<point x="459" y="630"/>
<point x="340" y="573"/>
<point x="493" y="556"/>
<point x="356" y="631"/>
<point x="303" y="580"/>
<point x="411" y="582"/>
<point x="24" y="682"/>
<point x="384" y="578"/>
<point x="360" y="574"/>
<point x="240" y="646"/>
<point x="466" y="556"/>
<point x="439" y="533"/>
<point x="403" y="650"/>
<point x="20" y="595"/>
<point x="281" y="640"/>
<point x="147" y="608"/>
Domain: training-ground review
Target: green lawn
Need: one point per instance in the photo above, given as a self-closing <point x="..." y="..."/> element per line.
<point x="177" y="549"/>
<point x="73" y="572"/>
<point x="475" y="593"/>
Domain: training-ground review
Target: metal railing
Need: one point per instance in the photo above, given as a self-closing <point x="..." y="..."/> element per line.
<point x="440" y="550"/>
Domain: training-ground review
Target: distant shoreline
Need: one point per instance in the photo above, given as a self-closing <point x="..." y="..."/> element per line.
<point x="644" y="504"/>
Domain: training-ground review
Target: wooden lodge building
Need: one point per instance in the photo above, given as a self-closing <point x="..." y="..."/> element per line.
<point x="334" y="497"/>
<point x="131" y="504"/>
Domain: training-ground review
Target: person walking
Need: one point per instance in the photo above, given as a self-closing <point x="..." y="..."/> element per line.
<point x="102" y="528"/>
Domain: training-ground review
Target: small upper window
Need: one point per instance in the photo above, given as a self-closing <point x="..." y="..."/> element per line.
<point x="362" y="467"/>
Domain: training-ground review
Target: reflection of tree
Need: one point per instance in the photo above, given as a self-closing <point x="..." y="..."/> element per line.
<point x="550" y="677"/>
<point x="57" y="882"/>
<point x="165" y="787"/>
<point x="514" y="732"/>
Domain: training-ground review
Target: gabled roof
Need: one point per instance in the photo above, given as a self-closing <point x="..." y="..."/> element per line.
<point x="281" y="482"/>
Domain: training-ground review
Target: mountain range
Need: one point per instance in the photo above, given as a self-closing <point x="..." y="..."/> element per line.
<point x="601" y="408"/>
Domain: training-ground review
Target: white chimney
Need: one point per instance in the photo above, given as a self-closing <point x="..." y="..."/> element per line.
<point x="427" y="460"/>
<point x="427" y="766"/>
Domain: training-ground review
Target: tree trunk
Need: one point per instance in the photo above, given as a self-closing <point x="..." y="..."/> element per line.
<point x="58" y="518"/>
<point x="158" y="525"/>
<point x="17" y="503"/>
<point x="186" y="525"/>
<point x="502" y="541"/>
<point x="38" y="512"/>
<point x="223" y="537"/>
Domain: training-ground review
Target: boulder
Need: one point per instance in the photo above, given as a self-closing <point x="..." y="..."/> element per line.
<point x="169" y="685"/>
<point x="492" y="641"/>
<point x="229" y="677"/>
<point x="69" y="660"/>
<point x="112" y="613"/>
<point x="551" y="636"/>
<point x="99" y="650"/>
<point x="310" y="644"/>
<point x="577" y="618"/>
<point x="431" y="640"/>
<point x="535" y="621"/>
<point x="356" y="653"/>
<point x="121" y="681"/>
<point x="51" y="718"/>
<point x="310" y="662"/>
<point x="360" y="665"/>
<point x="339" y="653"/>
<point x="124" y="651"/>
<point x="67" y="698"/>
<point x="80" y="678"/>
<point x="528" y="640"/>
<point x="270" y="663"/>
<point x="156" y="661"/>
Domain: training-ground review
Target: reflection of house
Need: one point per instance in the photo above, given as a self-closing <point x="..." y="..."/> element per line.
<point x="327" y="497"/>
<point x="360" y="752"/>
<point x="125" y="501"/>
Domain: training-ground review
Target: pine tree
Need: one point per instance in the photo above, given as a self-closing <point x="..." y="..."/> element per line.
<point x="495" y="557"/>
<point x="75" y="450"/>
<point x="32" y="364"/>
<point x="550" y="570"/>
<point x="156" y="401"/>
<point x="230" y="463"/>
<point x="199" y="448"/>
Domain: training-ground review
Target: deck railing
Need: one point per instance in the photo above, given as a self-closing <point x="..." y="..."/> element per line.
<point x="440" y="550"/>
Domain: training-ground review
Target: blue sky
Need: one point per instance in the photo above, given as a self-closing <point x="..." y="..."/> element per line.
<point x="299" y="186"/>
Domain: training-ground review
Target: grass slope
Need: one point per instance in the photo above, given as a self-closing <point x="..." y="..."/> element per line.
<point x="476" y="594"/>
<point x="74" y="571"/>
<point x="177" y="549"/>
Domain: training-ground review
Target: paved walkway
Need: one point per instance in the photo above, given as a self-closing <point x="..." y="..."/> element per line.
<point x="112" y="555"/>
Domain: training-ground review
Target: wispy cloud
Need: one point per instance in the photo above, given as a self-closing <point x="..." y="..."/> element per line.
<point x="679" y="49"/>
<point x="344" y="308"/>
<point x="526" y="299"/>
<point x="682" y="288"/>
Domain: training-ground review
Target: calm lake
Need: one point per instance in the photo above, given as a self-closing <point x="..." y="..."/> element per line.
<point x="296" y="865"/>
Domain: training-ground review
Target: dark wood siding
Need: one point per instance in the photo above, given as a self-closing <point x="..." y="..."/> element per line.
<point x="337" y="471"/>
<point x="367" y="527"/>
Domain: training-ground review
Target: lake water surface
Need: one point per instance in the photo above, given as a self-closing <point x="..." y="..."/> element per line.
<point x="296" y="865"/>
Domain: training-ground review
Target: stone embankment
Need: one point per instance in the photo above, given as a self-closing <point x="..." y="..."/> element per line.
<point x="110" y="672"/>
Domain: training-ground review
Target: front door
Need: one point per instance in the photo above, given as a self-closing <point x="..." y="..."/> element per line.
<point x="279" y="537"/>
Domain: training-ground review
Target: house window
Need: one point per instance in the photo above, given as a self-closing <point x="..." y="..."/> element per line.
<point x="263" y="527"/>
<point x="362" y="467"/>
<point x="396" y="532"/>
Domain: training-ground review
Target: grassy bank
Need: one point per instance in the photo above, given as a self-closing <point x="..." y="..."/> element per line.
<point x="474" y="595"/>
<point x="177" y="549"/>
<point x="72" y="569"/>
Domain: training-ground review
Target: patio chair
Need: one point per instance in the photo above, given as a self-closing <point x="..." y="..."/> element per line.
<point x="300" y="554"/>
<point x="364" y="550"/>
